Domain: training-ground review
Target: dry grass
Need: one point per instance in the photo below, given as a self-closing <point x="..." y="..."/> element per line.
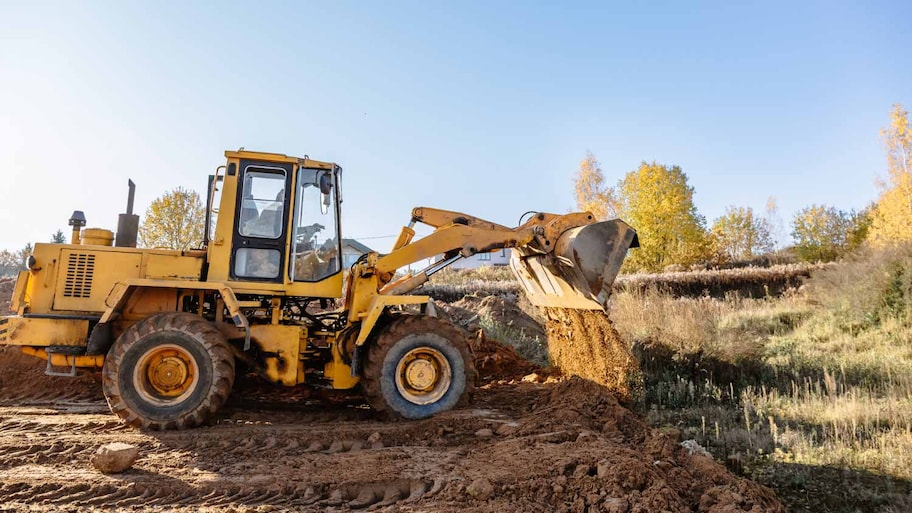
<point x="473" y="277"/>
<point x="789" y="389"/>
<point x="529" y="346"/>
<point x="827" y="423"/>
<point x="452" y="284"/>
<point x="703" y="324"/>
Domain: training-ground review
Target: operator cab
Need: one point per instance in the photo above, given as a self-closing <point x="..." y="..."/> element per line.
<point x="284" y="219"/>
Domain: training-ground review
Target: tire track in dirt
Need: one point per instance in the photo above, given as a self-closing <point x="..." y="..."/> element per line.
<point x="148" y="495"/>
<point x="19" y="426"/>
<point x="234" y="448"/>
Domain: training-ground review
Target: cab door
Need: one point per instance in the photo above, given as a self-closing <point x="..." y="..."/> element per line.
<point x="258" y="248"/>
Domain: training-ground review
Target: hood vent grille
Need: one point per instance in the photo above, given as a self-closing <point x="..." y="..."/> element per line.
<point x="80" y="271"/>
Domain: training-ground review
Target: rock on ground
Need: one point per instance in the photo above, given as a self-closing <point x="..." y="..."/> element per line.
<point x="114" y="457"/>
<point x="481" y="489"/>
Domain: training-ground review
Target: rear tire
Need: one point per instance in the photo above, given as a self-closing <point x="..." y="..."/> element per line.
<point x="418" y="366"/>
<point x="168" y="371"/>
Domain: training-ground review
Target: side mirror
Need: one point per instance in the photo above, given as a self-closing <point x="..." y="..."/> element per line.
<point x="325" y="183"/>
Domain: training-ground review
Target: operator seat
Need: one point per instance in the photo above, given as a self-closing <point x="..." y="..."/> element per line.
<point x="248" y="213"/>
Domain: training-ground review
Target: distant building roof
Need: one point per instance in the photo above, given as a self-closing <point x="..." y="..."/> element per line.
<point x="356" y="245"/>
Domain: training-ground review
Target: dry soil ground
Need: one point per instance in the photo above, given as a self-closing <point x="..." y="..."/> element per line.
<point x="564" y="444"/>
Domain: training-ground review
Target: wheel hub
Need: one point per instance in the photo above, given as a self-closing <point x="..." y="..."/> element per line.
<point x="423" y="375"/>
<point x="165" y="374"/>
<point x="169" y="373"/>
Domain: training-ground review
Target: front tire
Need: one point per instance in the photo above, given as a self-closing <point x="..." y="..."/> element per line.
<point x="418" y="366"/>
<point x="169" y="371"/>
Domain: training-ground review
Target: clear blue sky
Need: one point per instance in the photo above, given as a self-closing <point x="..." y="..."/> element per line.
<point x="481" y="107"/>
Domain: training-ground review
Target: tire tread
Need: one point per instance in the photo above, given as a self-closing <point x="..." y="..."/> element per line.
<point x="203" y="332"/>
<point x="397" y="327"/>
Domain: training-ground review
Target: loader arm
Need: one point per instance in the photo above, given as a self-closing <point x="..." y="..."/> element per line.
<point x="455" y="233"/>
<point x="552" y="268"/>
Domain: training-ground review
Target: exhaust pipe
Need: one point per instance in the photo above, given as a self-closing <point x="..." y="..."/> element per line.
<point x="77" y="221"/>
<point x="128" y="223"/>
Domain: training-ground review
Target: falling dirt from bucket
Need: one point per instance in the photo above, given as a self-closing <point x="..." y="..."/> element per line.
<point x="584" y="343"/>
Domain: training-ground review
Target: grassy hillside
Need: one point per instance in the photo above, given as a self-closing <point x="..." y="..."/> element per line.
<point x="809" y="392"/>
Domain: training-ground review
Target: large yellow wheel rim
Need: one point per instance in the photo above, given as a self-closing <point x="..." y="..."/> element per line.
<point x="165" y="375"/>
<point x="423" y="375"/>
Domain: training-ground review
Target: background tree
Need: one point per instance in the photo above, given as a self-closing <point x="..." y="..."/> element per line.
<point x="860" y="227"/>
<point x="592" y="195"/>
<point x="740" y="234"/>
<point x="823" y="233"/>
<point x="58" y="237"/>
<point x="892" y="216"/>
<point x="657" y="201"/>
<point x="24" y="254"/>
<point x="11" y="262"/>
<point x="774" y="222"/>
<point x="174" y="220"/>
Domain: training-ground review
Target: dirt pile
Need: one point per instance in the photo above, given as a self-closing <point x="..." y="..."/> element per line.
<point x="596" y="455"/>
<point x="580" y="343"/>
<point x="494" y="360"/>
<point x="584" y="343"/>
<point x="490" y="319"/>
<point x="22" y="377"/>
<point x="472" y="311"/>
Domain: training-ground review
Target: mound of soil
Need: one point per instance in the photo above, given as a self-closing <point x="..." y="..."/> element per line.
<point x="584" y="343"/>
<point x="469" y="312"/>
<point x="579" y="342"/>
<point x="494" y="360"/>
<point x="22" y="376"/>
<point x="578" y="449"/>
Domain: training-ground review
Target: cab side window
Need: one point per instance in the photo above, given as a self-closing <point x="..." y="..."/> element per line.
<point x="262" y="205"/>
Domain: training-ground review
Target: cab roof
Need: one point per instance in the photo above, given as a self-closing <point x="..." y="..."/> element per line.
<point x="278" y="157"/>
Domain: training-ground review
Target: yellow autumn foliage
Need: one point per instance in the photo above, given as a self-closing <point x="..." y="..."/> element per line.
<point x="657" y="201"/>
<point x="892" y="216"/>
<point x="174" y="221"/>
<point x="740" y="234"/>
<point x="591" y="193"/>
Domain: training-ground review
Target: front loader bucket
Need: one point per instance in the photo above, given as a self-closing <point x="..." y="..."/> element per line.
<point x="580" y="271"/>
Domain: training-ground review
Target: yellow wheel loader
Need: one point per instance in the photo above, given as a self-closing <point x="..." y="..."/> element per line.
<point x="167" y="327"/>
